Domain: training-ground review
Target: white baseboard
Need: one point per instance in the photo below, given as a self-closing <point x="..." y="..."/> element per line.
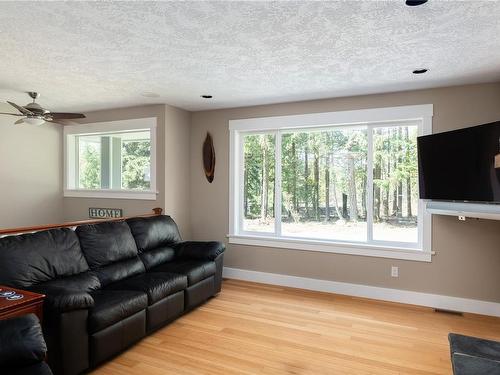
<point x="358" y="290"/>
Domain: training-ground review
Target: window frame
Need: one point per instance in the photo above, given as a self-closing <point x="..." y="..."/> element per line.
<point x="144" y="124"/>
<point x="369" y="118"/>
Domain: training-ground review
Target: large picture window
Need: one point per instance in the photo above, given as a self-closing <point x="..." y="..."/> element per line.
<point x="114" y="159"/>
<point x="340" y="186"/>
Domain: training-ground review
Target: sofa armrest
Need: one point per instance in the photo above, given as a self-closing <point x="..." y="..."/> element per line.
<point x="199" y="250"/>
<point x="21" y="341"/>
<point x="59" y="299"/>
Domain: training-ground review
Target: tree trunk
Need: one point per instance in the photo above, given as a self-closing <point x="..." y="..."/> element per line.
<point x="387" y="177"/>
<point x="408" y="179"/>
<point x="377" y="175"/>
<point x="334" y="192"/>
<point x="273" y="196"/>
<point x="245" y="192"/>
<point x="263" y="199"/>
<point x="395" y="191"/>
<point x="408" y="197"/>
<point x="400" y="182"/>
<point x="353" y="203"/>
<point x="363" y="198"/>
<point x="306" y="181"/>
<point x="400" y="199"/>
<point x="316" y="184"/>
<point x="294" y="184"/>
<point x="395" y="200"/>
<point x="345" y="213"/>
<point x="327" y="188"/>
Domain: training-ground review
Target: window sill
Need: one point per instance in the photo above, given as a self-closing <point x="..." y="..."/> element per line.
<point x="111" y="194"/>
<point x="333" y="247"/>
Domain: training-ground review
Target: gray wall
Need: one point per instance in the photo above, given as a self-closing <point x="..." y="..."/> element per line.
<point x="176" y="167"/>
<point x="30" y="174"/>
<point x="467" y="263"/>
<point x="172" y="163"/>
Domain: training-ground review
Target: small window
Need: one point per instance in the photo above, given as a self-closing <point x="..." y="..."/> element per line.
<point x="114" y="159"/>
<point x="342" y="182"/>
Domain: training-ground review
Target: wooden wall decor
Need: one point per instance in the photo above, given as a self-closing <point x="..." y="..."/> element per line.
<point x="209" y="158"/>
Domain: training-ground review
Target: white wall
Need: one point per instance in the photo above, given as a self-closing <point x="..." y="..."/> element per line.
<point x="176" y="167"/>
<point x="30" y="174"/>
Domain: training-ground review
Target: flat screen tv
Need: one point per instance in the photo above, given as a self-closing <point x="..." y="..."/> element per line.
<point x="459" y="165"/>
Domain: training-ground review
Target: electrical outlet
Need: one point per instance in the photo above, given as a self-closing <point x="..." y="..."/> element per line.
<point x="394" y="271"/>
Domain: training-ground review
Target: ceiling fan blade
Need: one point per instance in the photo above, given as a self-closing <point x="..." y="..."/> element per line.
<point x="23" y="110"/>
<point x="60" y="122"/>
<point x="19" y="122"/>
<point x="11" y="114"/>
<point x="61" y="115"/>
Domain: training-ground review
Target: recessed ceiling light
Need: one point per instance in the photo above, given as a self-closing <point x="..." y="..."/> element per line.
<point x="149" y="94"/>
<point x="206" y="96"/>
<point x="414" y="3"/>
<point x="420" y="71"/>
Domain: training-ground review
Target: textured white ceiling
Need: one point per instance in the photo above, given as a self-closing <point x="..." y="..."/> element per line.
<point x="93" y="55"/>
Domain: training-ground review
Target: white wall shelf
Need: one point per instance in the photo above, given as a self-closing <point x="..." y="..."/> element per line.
<point x="464" y="209"/>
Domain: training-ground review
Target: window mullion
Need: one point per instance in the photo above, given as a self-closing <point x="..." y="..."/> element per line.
<point x="76" y="163"/>
<point x="277" y="182"/>
<point x="369" y="190"/>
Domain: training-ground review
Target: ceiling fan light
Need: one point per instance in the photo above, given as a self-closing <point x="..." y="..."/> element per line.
<point x="35" y="121"/>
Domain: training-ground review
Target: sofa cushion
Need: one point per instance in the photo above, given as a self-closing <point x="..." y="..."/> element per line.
<point x="155" y="284"/>
<point x="33" y="258"/>
<point x="195" y="270"/>
<point x="155" y="257"/>
<point x="120" y="270"/>
<point x="106" y="243"/>
<point x="112" y="306"/>
<point x="153" y="232"/>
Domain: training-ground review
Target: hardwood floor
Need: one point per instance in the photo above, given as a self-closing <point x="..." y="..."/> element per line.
<point x="261" y="329"/>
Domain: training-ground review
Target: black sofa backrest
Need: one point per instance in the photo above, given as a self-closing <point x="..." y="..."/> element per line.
<point x="34" y="258"/>
<point x="110" y="251"/>
<point x="154" y="236"/>
<point x="153" y="232"/>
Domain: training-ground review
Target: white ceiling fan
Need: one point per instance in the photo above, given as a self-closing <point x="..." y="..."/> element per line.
<point x="34" y="114"/>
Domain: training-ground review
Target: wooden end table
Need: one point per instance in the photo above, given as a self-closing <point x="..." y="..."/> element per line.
<point x="16" y="306"/>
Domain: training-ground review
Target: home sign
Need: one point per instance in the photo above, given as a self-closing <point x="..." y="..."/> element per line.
<point x="105" y="213"/>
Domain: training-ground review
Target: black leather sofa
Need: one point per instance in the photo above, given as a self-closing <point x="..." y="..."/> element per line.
<point x="22" y="348"/>
<point x="108" y="285"/>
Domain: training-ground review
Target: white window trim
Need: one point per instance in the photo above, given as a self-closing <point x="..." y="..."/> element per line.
<point x="149" y="123"/>
<point x="279" y="124"/>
